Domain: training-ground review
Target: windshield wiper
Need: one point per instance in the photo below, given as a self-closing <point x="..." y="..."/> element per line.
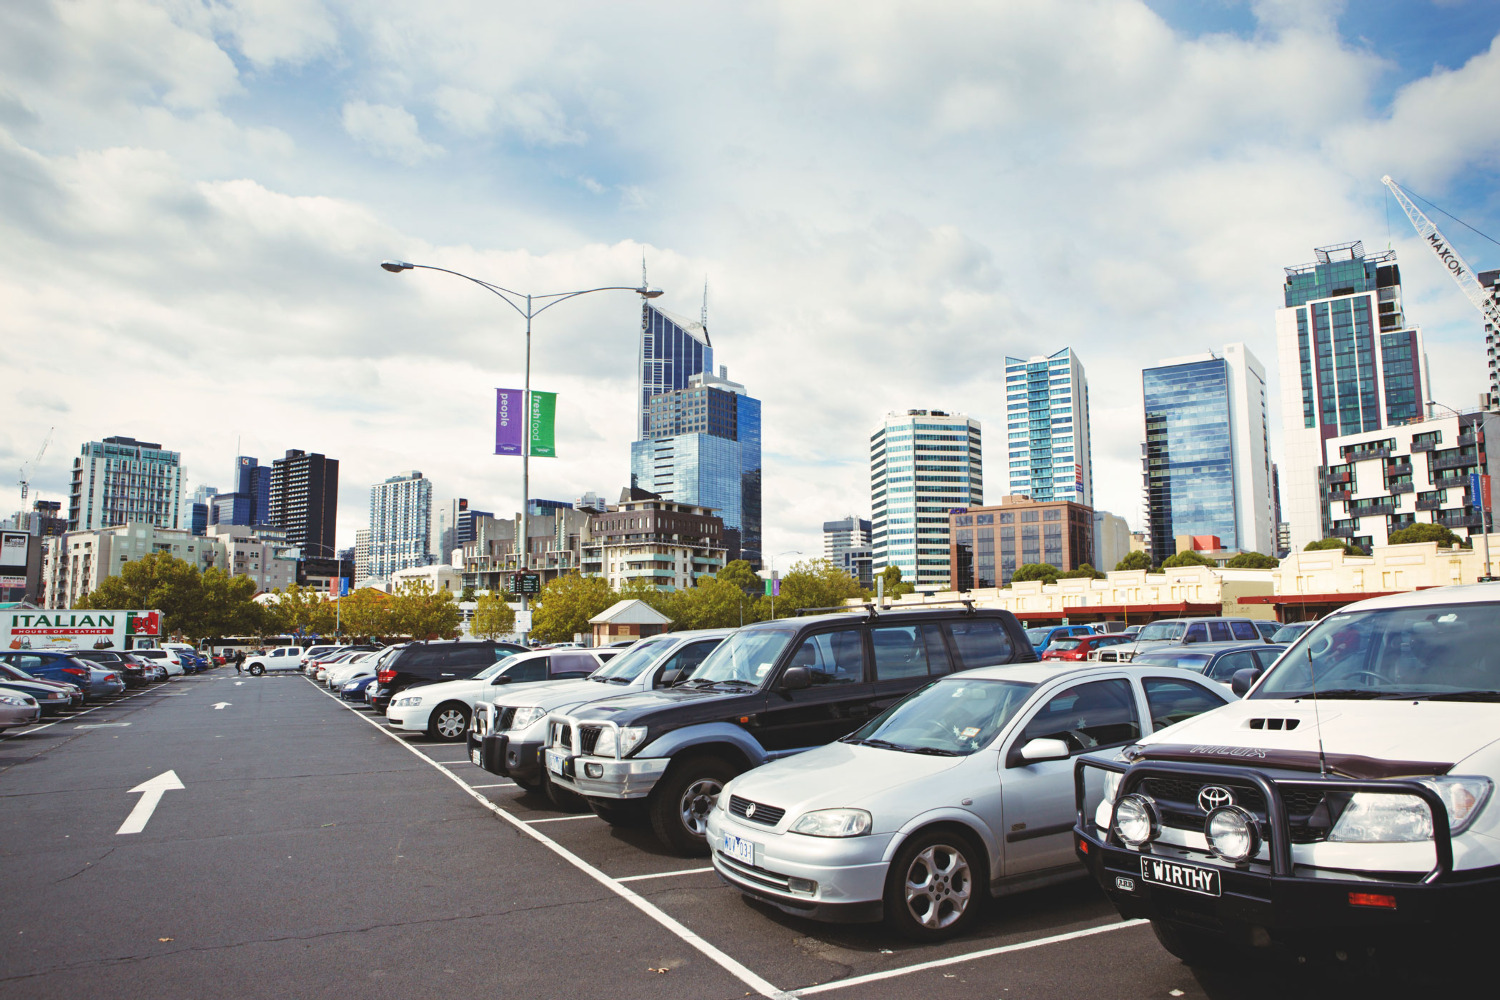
<point x="1458" y="696"/>
<point x="616" y="680"/>
<point x="1345" y="694"/>
<point x="694" y="683"/>
<point x="882" y="744"/>
<point x="935" y="751"/>
<point x="736" y="682"/>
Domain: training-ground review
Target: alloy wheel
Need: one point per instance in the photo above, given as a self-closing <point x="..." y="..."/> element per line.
<point x="938" y="886"/>
<point x="697" y="801"/>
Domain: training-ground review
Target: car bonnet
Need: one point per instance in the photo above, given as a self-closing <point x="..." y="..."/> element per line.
<point x="845" y="774"/>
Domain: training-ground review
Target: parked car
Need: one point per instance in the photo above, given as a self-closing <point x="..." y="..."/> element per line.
<point x="353" y="663"/>
<point x="102" y="682"/>
<point x="165" y="658"/>
<point x="131" y="671"/>
<point x="55" y="665"/>
<point x="435" y="662"/>
<point x="17" y="708"/>
<point x="1216" y="661"/>
<point x="1183" y="632"/>
<point x="1292" y="631"/>
<point x="1081" y="647"/>
<point x="771" y="689"/>
<point x="508" y="732"/>
<point x="442" y="711"/>
<point x="1043" y="636"/>
<point x="905" y="819"/>
<point x="1345" y="804"/>
<point x="278" y="658"/>
<point x="353" y="689"/>
<point x="51" y="696"/>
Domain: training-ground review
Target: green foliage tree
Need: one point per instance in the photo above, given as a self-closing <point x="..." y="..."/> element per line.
<point x="365" y="614"/>
<point x="1044" y="572"/>
<point x="422" y="612"/>
<point x="228" y="606"/>
<point x="640" y="589"/>
<point x="739" y="573"/>
<point x="1253" y="560"/>
<point x="1426" y="533"/>
<point x="1086" y="571"/>
<point x="566" y="604"/>
<point x="1134" y="560"/>
<point x="714" y="603"/>
<point x="197" y="605"/>
<point x="1333" y="543"/>
<point x="1187" y="557"/>
<point x="814" y="583"/>
<point x="894" y="585"/>
<point x="466" y="596"/>
<point x="299" y="607"/>
<point x="492" y="618"/>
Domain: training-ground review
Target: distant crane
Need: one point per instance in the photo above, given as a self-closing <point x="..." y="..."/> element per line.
<point x="1456" y="265"/>
<point x="26" y="483"/>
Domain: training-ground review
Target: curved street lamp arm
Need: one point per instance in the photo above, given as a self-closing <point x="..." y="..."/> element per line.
<point x="499" y="292"/>
<point x="565" y="296"/>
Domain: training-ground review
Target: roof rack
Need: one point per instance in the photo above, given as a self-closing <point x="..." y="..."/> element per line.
<point x="873" y="611"/>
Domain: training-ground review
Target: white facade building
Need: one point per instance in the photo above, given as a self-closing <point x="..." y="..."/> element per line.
<point x="77" y="562"/>
<point x="439" y="576"/>
<point x="923" y="464"/>
<point x="121" y="480"/>
<point x="400" y="524"/>
<point x="1111" y="540"/>
<point x="1048" y="449"/>
<point x="261" y="554"/>
<point x="361" y="556"/>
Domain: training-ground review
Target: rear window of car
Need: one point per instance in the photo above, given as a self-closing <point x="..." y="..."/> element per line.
<point x="1244" y="630"/>
<point x="1065" y="644"/>
<point x="981" y="642"/>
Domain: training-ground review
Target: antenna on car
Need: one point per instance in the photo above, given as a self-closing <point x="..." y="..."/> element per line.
<point x="1317" y="717"/>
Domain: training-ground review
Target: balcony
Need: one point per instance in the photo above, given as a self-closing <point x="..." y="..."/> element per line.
<point x="1396" y="489"/>
<point x="1343" y="494"/>
<point x="1340" y="477"/>
<point x="1401" y="468"/>
<point x="1429" y="504"/>
<point x="1446" y="482"/>
<point x="1452" y="460"/>
<point x="1417" y="447"/>
<point x="1342" y="529"/>
<point x="1460" y="519"/>
<point x="1365" y="454"/>
<point x="1469" y="439"/>
<point x="1377" y="508"/>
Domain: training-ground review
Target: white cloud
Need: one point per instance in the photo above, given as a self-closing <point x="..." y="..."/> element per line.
<point x="388" y="131"/>
<point x="268" y="32"/>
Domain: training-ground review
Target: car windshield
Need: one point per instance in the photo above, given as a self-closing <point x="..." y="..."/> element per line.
<point x="1447" y="651"/>
<point x="496" y="667"/>
<point x="1065" y="644"/>
<point x="1289" y="632"/>
<point x="1037" y="636"/>
<point x="746" y="656"/>
<point x="954" y="716"/>
<point x="629" y="664"/>
<point x="1161" y="631"/>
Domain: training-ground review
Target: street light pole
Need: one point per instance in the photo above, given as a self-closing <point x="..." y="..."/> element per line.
<point x="1486" y="520"/>
<point x="788" y="552"/>
<point x="514" y="300"/>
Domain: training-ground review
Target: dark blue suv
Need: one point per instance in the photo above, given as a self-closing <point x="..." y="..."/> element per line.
<point x="48" y="665"/>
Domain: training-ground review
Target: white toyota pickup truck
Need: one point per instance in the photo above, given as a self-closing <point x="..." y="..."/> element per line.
<point x="1343" y="806"/>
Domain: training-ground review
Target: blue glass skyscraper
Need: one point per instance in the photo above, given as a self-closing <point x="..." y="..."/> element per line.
<point x="672" y="351"/>
<point x="1047" y="428"/>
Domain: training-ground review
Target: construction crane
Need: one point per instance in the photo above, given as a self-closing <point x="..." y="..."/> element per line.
<point x="1457" y="267"/>
<point x="26" y="483"/>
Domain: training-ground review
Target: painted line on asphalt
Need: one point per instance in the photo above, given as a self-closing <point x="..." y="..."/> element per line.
<point x="684" y="871"/>
<point x="498" y="784"/>
<point x="969" y="957"/>
<point x="559" y="819"/>
<point x="68" y="718"/>
<point x="720" y="958"/>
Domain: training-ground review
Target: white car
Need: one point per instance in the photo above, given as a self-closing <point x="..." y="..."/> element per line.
<point x="442" y="711"/>
<point x="278" y="658"/>
<point x="961" y="791"/>
<point x="1344" y="805"/>
<point x="340" y="671"/>
<point x="164" y="658"/>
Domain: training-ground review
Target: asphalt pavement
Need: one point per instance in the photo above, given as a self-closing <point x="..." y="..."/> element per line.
<point x="312" y="852"/>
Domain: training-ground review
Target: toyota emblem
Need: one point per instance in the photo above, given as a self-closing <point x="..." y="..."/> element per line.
<point x="1211" y="797"/>
<point x="750" y="811"/>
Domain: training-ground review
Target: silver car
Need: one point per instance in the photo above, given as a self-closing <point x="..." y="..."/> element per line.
<point x="17" y="709"/>
<point x="961" y="791"/>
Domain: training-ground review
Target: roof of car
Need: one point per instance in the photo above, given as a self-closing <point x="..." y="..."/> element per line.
<point x="891" y="614"/>
<point x="1473" y="593"/>
<point x="1040" y="673"/>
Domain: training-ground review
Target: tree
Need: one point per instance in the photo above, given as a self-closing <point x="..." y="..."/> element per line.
<point x="466" y="596"/>
<point x="229" y="606"/>
<point x="365" y="613"/>
<point x="1134" y="560"/>
<point x="420" y="611"/>
<point x="566" y="604"/>
<point x="297" y="607"/>
<point x="1187" y="557"/>
<point x="492" y="618"/>
<point x="1044" y="572"/>
<point x="195" y="604"/>
<point x="1253" y="560"/>
<point x="1085" y="571"/>
<point x="739" y="573"/>
<point x="894" y="585"/>
<point x="1334" y="543"/>
<point x="713" y="603"/>
<point x="815" y="583"/>
<point x="640" y="589"/>
<point x="1445" y="537"/>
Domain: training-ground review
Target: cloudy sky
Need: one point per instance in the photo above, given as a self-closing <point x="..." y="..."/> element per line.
<point x="885" y="198"/>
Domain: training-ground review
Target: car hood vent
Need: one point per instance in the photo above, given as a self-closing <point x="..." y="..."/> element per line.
<point x="1272" y="723"/>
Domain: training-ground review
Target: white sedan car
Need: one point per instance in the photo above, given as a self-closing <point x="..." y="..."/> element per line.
<point x="443" y="710"/>
<point x="959" y="792"/>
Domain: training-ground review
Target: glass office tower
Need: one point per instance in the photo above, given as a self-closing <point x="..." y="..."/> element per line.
<point x="672" y="351"/>
<point x="1047" y="428"/>
<point x="924" y="465"/>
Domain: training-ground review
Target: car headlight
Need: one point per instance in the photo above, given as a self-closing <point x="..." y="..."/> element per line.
<point x="1232" y="834"/>
<point x="525" y="717"/>
<point x="413" y="700"/>
<point x="6" y="699"/>
<point x="1112" y="781"/>
<point x="1383" y="817"/>
<point x="1464" y="797"/>
<point x="832" y="823"/>
<point x="619" y="742"/>
<point x="1136" y="820"/>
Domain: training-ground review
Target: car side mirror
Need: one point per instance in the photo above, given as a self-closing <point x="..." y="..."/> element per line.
<point x="502" y="679"/>
<point x="1189" y="638"/>
<point x="795" y="679"/>
<point x="668" y="678"/>
<point x="1243" y="680"/>
<point x="1044" y="749"/>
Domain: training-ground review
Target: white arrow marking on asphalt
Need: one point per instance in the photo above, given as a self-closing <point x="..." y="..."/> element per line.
<point x="152" y="791"/>
<point x="238" y="683"/>
<point x="219" y="706"/>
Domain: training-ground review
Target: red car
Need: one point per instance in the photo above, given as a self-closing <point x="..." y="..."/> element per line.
<point x="1078" y="647"/>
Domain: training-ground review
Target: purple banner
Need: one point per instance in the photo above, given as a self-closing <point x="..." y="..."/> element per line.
<point x="510" y="421"/>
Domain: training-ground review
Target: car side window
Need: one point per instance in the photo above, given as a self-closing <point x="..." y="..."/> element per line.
<point x="1244" y="630"/>
<point x="899" y="652"/>
<point x="686" y="659"/>
<point x="1219" y="632"/>
<point x="832" y="657"/>
<point x="1087" y="716"/>
<point x="1269" y="655"/>
<point x="1172" y="700"/>
<point x="1196" y="632"/>
<point x="528" y="670"/>
<point x="1226" y="665"/>
<point x="419" y="658"/>
<point x="981" y="642"/>
<point x="470" y="656"/>
<point x="938" y="662"/>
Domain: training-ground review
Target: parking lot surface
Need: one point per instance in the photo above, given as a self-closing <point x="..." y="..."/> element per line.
<point x="311" y="851"/>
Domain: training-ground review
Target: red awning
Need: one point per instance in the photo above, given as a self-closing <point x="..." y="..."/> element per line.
<point x="1341" y="599"/>
<point x="1125" y="612"/>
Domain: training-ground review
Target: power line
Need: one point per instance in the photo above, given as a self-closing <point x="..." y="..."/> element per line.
<point x="1455" y="218"/>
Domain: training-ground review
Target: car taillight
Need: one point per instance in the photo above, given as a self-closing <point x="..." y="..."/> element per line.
<point x="386" y="676"/>
<point x="75" y="671"/>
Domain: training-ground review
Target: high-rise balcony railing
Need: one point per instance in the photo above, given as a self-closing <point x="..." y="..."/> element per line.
<point x="1399" y="488"/>
<point x="1460" y="519"/>
<point x="1372" y="508"/>
<point x="1455" y="461"/>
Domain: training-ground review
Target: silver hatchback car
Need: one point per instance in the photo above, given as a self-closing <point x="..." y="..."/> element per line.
<point x="961" y="791"/>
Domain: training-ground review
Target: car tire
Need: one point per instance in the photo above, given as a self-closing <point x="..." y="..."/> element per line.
<point x="936" y="886"/>
<point x="529" y="787"/>
<point x="680" y="802"/>
<point x="564" y="798"/>
<point x="1188" y="944"/>
<point x="625" y="813"/>
<point x="448" y="722"/>
<point x="257" y="669"/>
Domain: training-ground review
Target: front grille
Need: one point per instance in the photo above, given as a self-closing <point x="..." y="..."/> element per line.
<point x="588" y="738"/>
<point x="769" y="815"/>
<point x="1177" y="801"/>
<point x="755" y="874"/>
<point x="507" y="714"/>
<point x="480" y="723"/>
<point x="562" y="735"/>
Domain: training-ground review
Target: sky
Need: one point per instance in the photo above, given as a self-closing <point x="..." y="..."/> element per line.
<point x="884" y="200"/>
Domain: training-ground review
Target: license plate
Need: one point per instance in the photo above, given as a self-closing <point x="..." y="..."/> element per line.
<point x="1191" y="878"/>
<point x="474" y="755"/>
<point x="739" y="848"/>
<point x="555" y="762"/>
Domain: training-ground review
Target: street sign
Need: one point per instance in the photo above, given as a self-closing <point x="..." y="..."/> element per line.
<point x="528" y="583"/>
<point x="1476" y="498"/>
<point x="523" y="621"/>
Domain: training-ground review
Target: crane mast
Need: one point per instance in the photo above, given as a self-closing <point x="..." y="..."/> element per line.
<point x="1461" y="272"/>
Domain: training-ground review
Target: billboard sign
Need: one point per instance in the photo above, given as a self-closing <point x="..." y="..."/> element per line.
<point x="510" y="419"/>
<point x="84" y="629"/>
<point x="13" y="547"/>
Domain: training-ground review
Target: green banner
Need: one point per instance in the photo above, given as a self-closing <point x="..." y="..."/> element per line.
<point x="543" y="425"/>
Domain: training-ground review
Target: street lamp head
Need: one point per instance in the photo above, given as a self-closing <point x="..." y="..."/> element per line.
<point x="648" y="293"/>
<point x="396" y="266"/>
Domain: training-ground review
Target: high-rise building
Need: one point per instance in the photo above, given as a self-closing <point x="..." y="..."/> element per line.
<point x="1208" y="471"/>
<point x="1047" y="428"/>
<point x="702" y="448"/>
<point x="361" y="555"/>
<point x="120" y="480"/>
<point x="846" y="544"/>
<point x="452" y="526"/>
<point x="1349" y="363"/>
<point x="1491" y="282"/>
<point x="196" y="512"/>
<point x="668" y="545"/>
<point x="1111" y="540"/>
<point x="1019" y="532"/>
<point x="304" y="499"/>
<point x="924" y="464"/>
<point x="672" y="351"/>
<point x="400" y="524"/>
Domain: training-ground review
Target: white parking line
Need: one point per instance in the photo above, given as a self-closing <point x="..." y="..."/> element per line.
<point x="724" y="961"/>
<point x="36" y="729"/>
<point x="561" y="819"/>
<point x="969" y="957"/>
<point x="683" y="871"/>
<point x="498" y="784"/>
